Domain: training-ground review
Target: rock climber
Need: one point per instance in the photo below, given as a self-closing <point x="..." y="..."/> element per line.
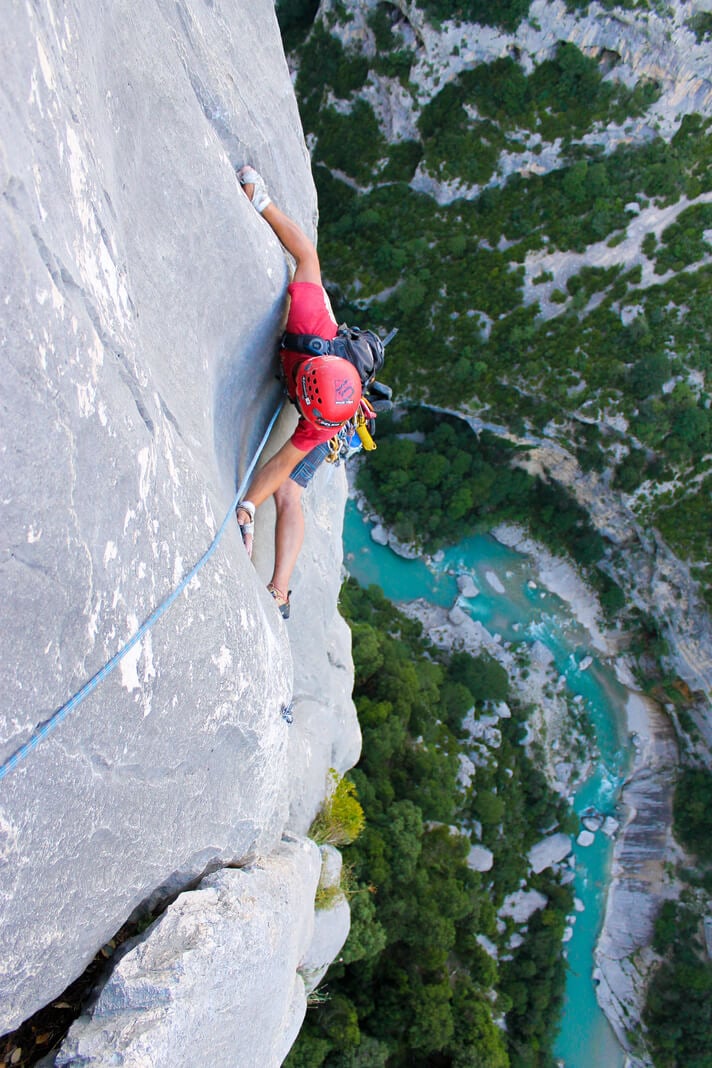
<point x="326" y="390"/>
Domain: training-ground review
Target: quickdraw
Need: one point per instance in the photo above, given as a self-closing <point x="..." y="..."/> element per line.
<point x="354" y="435"/>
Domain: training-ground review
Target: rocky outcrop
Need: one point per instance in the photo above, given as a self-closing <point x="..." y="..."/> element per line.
<point x="217" y="980"/>
<point x="563" y="753"/>
<point x="549" y="851"/>
<point x="654" y="579"/>
<point x="332" y="921"/>
<point x="142" y="299"/>
<point x="560" y="576"/>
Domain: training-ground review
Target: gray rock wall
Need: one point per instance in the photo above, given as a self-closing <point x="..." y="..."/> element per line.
<point x="142" y="296"/>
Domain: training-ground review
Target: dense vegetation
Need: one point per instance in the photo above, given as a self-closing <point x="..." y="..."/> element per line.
<point x="415" y="986"/>
<point x="678" y="1012"/>
<point x="693" y="812"/>
<point x="562" y="97"/>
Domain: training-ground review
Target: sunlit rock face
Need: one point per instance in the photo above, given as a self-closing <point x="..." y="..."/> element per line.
<point x="141" y="299"/>
<point x="217" y="980"/>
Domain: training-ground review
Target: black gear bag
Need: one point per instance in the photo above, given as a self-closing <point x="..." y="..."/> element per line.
<point x="362" y="348"/>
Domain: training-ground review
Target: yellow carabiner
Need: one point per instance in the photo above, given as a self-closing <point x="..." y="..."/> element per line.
<point x="363" y="432"/>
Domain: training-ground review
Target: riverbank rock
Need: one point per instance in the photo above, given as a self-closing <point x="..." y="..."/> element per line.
<point x="215" y="980"/>
<point x="495" y="582"/>
<point x="549" y="851"/>
<point x="640" y="883"/>
<point x="560" y="577"/>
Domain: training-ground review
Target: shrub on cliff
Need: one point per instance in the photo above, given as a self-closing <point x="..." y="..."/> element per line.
<point x="340" y="819"/>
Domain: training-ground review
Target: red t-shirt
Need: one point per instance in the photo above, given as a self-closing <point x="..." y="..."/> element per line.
<point x="309" y="313"/>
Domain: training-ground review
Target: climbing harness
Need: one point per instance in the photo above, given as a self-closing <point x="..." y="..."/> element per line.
<point x="61" y="714"/>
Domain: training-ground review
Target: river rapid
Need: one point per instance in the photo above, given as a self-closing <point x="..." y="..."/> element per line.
<point x="512" y="604"/>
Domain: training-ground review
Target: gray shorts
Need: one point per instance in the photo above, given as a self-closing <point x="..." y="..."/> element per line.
<point x="305" y="470"/>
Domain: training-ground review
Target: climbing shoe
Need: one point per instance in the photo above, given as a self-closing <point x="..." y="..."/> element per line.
<point x="281" y="601"/>
<point x="260" y="197"/>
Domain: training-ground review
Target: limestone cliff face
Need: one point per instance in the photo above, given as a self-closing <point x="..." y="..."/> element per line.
<point x="639" y="884"/>
<point x="142" y="296"/>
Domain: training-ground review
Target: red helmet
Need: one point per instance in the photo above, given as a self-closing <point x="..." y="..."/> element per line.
<point x="328" y="390"/>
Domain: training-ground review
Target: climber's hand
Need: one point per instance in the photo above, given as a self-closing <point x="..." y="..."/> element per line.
<point x="246" y="521"/>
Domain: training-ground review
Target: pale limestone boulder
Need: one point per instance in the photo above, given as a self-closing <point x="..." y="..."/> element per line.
<point x="522" y="904"/>
<point x="331" y="929"/>
<point x="467" y="587"/>
<point x="215" y="980"/>
<point x="331" y="866"/>
<point x="549" y="851"/>
<point x="480" y="858"/>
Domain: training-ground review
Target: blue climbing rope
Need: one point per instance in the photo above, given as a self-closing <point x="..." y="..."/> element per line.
<point x="61" y="714"/>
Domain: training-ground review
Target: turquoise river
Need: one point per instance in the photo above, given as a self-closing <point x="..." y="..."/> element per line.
<point x="525" y="612"/>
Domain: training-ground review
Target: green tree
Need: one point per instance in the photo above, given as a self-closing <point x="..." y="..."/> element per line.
<point x="370" y="1053"/>
<point x="433" y="1025"/>
<point x="477" y="1040"/>
<point x="692" y="811"/>
<point x="339" y="1020"/>
<point x="367" y="937"/>
<point x="489" y="808"/>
